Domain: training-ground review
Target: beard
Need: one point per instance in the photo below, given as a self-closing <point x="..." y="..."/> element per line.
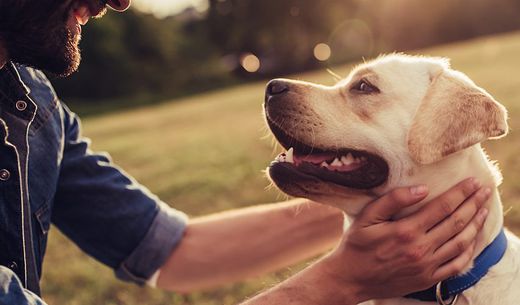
<point x="36" y="33"/>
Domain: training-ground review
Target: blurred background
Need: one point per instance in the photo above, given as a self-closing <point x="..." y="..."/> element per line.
<point x="173" y="89"/>
<point x="169" y="48"/>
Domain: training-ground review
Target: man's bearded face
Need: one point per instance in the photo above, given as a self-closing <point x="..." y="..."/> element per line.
<point x="45" y="33"/>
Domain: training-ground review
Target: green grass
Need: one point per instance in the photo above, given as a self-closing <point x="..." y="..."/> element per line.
<point x="206" y="153"/>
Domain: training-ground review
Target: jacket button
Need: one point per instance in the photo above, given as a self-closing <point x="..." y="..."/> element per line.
<point x="4" y="174"/>
<point x="21" y="105"/>
<point x="13" y="266"/>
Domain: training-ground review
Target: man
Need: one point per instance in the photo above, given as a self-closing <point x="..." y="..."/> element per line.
<point x="48" y="174"/>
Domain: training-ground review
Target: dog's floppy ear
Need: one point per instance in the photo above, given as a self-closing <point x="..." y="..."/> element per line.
<point x="454" y="114"/>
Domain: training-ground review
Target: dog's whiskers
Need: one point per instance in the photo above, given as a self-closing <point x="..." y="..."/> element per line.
<point x="336" y="76"/>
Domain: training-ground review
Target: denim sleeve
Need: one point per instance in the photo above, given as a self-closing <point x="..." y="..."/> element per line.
<point x="12" y="291"/>
<point x="108" y="214"/>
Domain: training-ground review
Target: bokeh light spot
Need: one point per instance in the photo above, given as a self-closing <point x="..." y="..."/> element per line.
<point x="322" y="52"/>
<point x="250" y="62"/>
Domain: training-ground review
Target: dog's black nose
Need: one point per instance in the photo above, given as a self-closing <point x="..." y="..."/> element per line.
<point x="277" y="87"/>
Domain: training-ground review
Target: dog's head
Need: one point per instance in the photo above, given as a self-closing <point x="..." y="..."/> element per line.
<point x="356" y="139"/>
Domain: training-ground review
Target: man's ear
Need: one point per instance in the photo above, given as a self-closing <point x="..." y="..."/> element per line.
<point x="454" y="114"/>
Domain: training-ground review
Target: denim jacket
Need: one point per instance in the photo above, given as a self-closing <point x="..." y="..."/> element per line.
<point x="49" y="175"/>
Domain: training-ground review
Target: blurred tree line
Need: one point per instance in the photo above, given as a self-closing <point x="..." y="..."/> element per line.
<point x="135" y="54"/>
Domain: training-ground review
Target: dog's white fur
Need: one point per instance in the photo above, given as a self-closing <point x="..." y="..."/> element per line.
<point x="427" y="122"/>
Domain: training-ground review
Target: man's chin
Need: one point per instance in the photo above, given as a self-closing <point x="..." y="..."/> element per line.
<point x="55" y="66"/>
<point x="63" y="69"/>
<point x="63" y="62"/>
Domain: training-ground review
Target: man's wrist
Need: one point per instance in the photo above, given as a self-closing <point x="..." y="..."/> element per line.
<point x="315" y="285"/>
<point x="339" y="288"/>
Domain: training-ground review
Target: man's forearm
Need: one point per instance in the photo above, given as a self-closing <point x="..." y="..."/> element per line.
<point x="310" y="287"/>
<point x="240" y="244"/>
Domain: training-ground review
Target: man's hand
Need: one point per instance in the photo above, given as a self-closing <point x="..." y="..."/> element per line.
<point x="381" y="258"/>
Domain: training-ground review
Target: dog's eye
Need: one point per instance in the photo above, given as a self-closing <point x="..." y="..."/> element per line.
<point x="363" y="86"/>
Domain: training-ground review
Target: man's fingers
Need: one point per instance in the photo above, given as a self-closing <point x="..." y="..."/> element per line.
<point x="459" y="220"/>
<point x="385" y="207"/>
<point x="462" y="241"/>
<point x="441" y="207"/>
<point x="455" y="266"/>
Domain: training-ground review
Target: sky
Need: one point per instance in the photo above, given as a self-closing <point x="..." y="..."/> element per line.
<point x="162" y="8"/>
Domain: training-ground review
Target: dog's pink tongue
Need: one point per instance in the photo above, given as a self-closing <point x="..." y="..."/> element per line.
<point x="314" y="158"/>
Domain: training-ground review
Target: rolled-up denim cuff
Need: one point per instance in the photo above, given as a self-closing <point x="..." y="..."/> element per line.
<point x="163" y="236"/>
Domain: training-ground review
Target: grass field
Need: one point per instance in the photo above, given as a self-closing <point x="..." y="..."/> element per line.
<point x="206" y="153"/>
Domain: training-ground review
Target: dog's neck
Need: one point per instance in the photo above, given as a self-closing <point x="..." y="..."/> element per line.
<point x="440" y="177"/>
<point x="471" y="162"/>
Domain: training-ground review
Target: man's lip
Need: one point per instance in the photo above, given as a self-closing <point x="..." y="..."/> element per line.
<point x="74" y="25"/>
<point x="82" y="14"/>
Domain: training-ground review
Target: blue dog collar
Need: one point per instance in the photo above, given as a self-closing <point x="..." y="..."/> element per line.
<point x="453" y="286"/>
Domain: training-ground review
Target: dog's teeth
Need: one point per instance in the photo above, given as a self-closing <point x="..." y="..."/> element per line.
<point x="336" y="162"/>
<point x="289" y="155"/>
<point x="324" y="164"/>
<point x="345" y="160"/>
<point x="349" y="159"/>
<point x="280" y="158"/>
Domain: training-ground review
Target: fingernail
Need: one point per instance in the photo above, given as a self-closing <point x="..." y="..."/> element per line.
<point x="487" y="191"/>
<point x="484" y="193"/>
<point x="476" y="183"/>
<point x="419" y="190"/>
<point x="482" y="214"/>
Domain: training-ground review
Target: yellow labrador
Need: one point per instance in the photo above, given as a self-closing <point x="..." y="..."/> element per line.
<point x="397" y="121"/>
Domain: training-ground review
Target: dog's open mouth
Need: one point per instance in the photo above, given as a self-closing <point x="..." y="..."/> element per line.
<point x="346" y="167"/>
